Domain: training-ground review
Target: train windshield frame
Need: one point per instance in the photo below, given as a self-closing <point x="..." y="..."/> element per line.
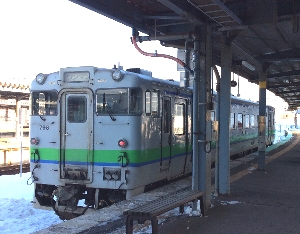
<point x="44" y="103"/>
<point x="119" y="101"/>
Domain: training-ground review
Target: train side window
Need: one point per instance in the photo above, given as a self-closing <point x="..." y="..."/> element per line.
<point x="154" y="103"/>
<point x="240" y="121"/>
<point x="148" y="103"/>
<point x="44" y="103"/>
<point x="232" y="120"/>
<point x="179" y="118"/>
<point x="252" y="121"/>
<point x="247" y="121"/>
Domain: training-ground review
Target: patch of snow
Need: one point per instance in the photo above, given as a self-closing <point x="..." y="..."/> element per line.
<point x="17" y="213"/>
<point x="224" y="203"/>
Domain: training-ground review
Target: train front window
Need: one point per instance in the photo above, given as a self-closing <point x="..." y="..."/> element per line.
<point x="44" y="103"/>
<point x="118" y="101"/>
<point x="77" y="109"/>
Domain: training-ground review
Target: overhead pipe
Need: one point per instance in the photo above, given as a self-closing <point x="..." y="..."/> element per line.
<point x="158" y="55"/>
<point x="217" y="77"/>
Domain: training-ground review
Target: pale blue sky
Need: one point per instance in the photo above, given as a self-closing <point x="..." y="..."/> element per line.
<point x="45" y="35"/>
<point x="42" y="36"/>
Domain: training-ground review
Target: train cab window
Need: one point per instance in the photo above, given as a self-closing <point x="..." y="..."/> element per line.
<point x="118" y="101"/>
<point x="76" y="109"/>
<point x="179" y="117"/>
<point x="44" y="103"/>
<point x="240" y="120"/>
<point x="135" y="101"/>
<point x="252" y="121"/>
<point x="247" y="121"/>
<point x="232" y="120"/>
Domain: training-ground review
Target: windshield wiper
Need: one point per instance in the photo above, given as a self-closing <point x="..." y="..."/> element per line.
<point x="109" y="112"/>
<point x="42" y="118"/>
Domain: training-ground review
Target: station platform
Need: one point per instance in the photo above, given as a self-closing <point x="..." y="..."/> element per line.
<point x="259" y="201"/>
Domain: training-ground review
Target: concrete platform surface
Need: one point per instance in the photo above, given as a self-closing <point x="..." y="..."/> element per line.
<point x="259" y="201"/>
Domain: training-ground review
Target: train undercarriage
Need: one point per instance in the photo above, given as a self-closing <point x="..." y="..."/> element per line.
<point x="71" y="201"/>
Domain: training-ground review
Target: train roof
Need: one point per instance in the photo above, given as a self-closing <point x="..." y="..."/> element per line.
<point x="147" y="75"/>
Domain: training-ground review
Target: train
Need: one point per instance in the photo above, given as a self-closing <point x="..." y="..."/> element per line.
<point x="99" y="136"/>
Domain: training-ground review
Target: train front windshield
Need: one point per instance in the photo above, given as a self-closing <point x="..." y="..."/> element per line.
<point x="44" y="103"/>
<point x="119" y="101"/>
<point x="108" y="101"/>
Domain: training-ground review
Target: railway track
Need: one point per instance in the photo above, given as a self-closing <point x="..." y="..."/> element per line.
<point x="14" y="169"/>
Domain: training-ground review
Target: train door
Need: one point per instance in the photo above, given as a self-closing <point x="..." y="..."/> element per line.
<point x="77" y="136"/>
<point x="180" y="130"/>
<point x="166" y="134"/>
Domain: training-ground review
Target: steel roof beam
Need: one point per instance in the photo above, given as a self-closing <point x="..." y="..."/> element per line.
<point x="228" y="11"/>
<point x="287" y="55"/>
<point x="282" y="85"/>
<point x="185" y="11"/>
<point x="283" y="74"/>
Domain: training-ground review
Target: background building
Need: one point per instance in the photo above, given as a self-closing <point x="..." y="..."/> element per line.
<point x="14" y="108"/>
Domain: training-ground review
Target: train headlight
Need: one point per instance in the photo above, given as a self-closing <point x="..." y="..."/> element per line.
<point x="122" y="143"/>
<point x="40" y="78"/>
<point x="112" y="174"/>
<point x="117" y="75"/>
<point x="107" y="174"/>
<point x="34" y="141"/>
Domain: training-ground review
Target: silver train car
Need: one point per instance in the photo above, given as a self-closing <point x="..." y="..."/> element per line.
<point x="99" y="136"/>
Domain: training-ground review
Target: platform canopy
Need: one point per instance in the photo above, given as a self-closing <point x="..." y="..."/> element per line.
<point x="265" y="34"/>
<point x="12" y="88"/>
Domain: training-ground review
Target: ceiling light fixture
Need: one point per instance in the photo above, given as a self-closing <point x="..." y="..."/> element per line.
<point x="248" y="65"/>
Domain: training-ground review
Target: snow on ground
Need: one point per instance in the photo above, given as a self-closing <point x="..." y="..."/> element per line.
<point x="17" y="214"/>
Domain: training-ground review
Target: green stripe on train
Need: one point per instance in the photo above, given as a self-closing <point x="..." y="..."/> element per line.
<point x="108" y="156"/>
